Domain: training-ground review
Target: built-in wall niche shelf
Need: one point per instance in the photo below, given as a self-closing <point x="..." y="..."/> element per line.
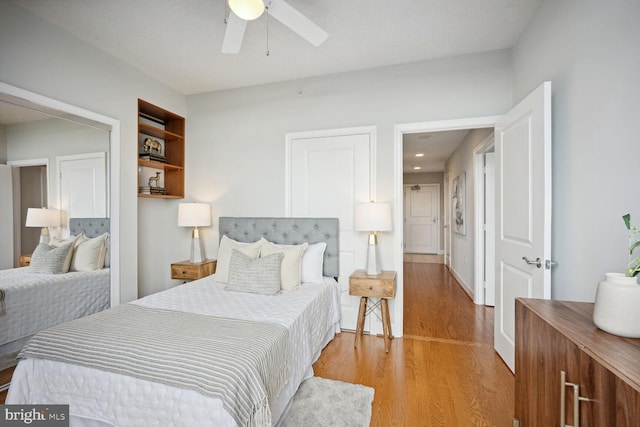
<point x="160" y="152"/>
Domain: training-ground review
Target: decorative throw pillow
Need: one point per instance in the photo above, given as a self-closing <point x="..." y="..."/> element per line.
<point x="57" y="242"/>
<point x="261" y="275"/>
<point x="252" y="250"/>
<point x="50" y="259"/>
<point x="89" y="254"/>
<point x="290" y="271"/>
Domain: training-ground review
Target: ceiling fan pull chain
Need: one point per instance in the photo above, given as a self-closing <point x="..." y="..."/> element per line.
<point x="267" y="10"/>
<point x="226" y="12"/>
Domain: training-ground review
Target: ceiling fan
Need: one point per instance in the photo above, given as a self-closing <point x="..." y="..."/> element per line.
<point x="247" y="10"/>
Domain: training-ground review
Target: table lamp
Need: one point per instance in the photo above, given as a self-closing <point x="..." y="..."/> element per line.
<point x="195" y="215"/>
<point x="373" y="217"/>
<point x="45" y="218"/>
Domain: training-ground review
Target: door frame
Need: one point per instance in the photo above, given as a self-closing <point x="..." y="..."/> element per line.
<point x="479" y="203"/>
<point x="53" y="107"/>
<point x="399" y="131"/>
<point x="439" y="222"/>
<point x="17" y="217"/>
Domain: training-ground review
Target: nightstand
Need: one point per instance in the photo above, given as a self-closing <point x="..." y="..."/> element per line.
<point x="382" y="286"/>
<point x="186" y="270"/>
<point x="24" y="260"/>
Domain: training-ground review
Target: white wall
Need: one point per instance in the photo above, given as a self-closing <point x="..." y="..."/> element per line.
<point x="52" y="138"/>
<point x="463" y="245"/>
<point x="235" y="150"/>
<point x="429" y="178"/>
<point x="590" y="50"/>
<point x="42" y="58"/>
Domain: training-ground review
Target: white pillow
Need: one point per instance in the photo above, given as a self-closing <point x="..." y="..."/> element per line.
<point x="313" y="263"/>
<point x="56" y="242"/>
<point x="89" y="254"/>
<point x="291" y="267"/>
<point x="227" y="245"/>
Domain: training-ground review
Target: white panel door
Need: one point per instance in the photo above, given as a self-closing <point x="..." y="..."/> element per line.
<point x="6" y="215"/>
<point x="523" y="212"/>
<point x="82" y="185"/>
<point x="328" y="176"/>
<point x="422" y="224"/>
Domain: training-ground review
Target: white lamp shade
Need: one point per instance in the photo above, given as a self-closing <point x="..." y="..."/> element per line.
<point x="194" y="215"/>
<point x="247" y="9"/>
<point x="41" y="217"/>
<point x="373" y="217"/>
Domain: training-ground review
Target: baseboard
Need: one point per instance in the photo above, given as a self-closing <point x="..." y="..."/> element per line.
<point x="465" y="287"/>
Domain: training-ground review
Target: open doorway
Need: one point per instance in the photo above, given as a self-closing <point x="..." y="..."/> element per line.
<point x="459" y="244"/>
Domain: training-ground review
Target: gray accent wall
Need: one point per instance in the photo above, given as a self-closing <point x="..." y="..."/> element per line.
<point x="590" y="50"/>
<point x="3" y="144"/>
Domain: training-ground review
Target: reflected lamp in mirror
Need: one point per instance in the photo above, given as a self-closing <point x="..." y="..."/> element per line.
<point x="373" y="217"/>
<point x="45" y="218"/>
<point x="195" y="215"/>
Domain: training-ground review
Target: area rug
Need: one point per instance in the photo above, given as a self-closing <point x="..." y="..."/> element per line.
<point x="322" y="402"/>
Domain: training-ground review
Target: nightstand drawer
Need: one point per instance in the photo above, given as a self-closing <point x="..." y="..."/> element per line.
<point x="380" y="286"/>
<point x="24" y="260"/>
<point x="186" y="270"/>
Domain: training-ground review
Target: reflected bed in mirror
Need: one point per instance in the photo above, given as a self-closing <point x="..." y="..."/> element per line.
<point x="32" y="299"/>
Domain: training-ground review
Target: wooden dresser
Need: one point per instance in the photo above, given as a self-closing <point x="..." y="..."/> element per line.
<point x="601" y="381"/>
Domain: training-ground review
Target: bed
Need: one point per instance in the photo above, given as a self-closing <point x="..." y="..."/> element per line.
<point x="33" y="301"/>
<point x="119" y="395"/>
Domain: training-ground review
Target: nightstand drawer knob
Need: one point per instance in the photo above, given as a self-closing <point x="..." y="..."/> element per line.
<point x="184" y="272"/>
<point x="370" y="288"/>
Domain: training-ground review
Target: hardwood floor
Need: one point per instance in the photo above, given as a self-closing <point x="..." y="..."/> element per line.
<point x="445" y="373"/>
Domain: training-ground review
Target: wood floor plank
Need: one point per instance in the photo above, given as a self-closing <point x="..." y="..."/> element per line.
<point x="446" y="374"/>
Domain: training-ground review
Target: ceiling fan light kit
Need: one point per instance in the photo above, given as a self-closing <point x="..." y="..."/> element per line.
<point x="278" y="9"/>
<point x="247" y="9"/>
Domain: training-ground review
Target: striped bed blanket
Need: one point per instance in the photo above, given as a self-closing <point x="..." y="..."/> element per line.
<point x="243" y="363"/>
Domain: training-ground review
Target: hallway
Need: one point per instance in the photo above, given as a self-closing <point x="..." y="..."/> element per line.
<point x="443" y="372"/>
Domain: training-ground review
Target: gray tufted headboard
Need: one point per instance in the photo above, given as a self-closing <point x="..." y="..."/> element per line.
<point x="288" y="231"/>
<point x="90" y="227"/>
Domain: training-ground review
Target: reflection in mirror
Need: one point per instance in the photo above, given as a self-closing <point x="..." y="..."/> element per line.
<point x="50" y="160"/>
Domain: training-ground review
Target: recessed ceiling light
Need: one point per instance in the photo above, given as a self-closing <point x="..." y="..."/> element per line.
<point x="417" y="168"/>
<point x="419" y="154"/>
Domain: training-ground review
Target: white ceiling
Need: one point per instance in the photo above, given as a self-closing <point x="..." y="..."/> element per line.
<point x="437" y="147"/>
<point x="179" y="42"/>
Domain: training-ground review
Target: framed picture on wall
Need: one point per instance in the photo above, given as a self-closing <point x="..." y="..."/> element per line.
<point x="458" y="202"/>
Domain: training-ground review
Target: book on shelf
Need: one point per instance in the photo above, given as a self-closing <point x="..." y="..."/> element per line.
<point x="154" y="157"/>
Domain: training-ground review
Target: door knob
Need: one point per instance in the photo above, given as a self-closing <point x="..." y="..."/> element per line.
<point x="537" y="262"/>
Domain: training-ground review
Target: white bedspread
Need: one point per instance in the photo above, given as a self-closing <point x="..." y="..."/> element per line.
<point x="100" y="398"/>
<point x="35" y="301"/>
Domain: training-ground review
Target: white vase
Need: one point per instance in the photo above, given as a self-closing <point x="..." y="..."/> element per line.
<point x="617" y="305"/>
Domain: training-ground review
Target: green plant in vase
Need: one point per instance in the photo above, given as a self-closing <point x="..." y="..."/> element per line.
<point x="633" y="266"/>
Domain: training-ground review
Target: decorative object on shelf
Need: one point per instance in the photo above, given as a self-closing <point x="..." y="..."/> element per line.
<point x="45" y="218"/>
<point x="155" y="179"/>
<point x="459" y="202"/>
<point x="616" y="309"/>
<point x="150" y="145"/>
<point x="195" y="215"/>
<point x="373" y="217"/>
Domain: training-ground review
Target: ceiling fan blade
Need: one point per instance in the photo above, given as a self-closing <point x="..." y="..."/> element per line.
<point x="296" y="21"/>
<point x="234" y="34"/>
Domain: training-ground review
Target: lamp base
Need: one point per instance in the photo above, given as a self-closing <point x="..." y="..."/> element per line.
<point x="373" y="265"/>
<point x="197" y="251"/>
